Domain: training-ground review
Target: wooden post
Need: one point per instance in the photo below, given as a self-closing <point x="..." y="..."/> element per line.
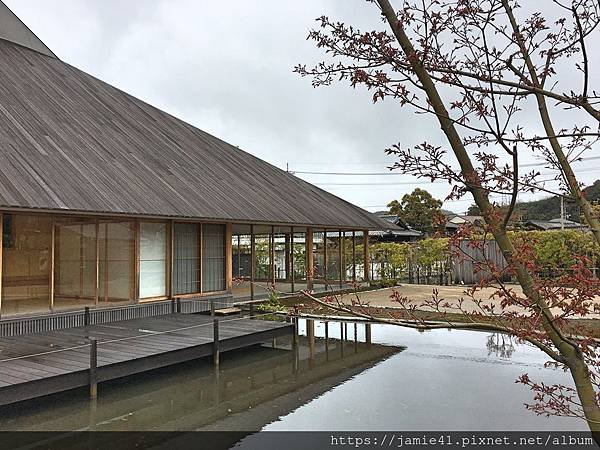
<point x="325" y="274"/>
<point x="86" y="316"/>
<point x="310" y="333"/>
<point x="310" y="272"/>
<point x="212" y="308"/>
<point x="354" y="256"/>
<point x="292" y="268"/>
<point x="327" y="339"/>
<point x="342" y="338"/>
<point x="178" y="304"/>
<point x="137" y="232"/>
<point x="366" y="258"/>
<point x="216" y="342"/>
<point x="252" y="261"/>
<point x="170" y="258"/>
<point x="93" y="368"/>
<point x="251" y="310"/>
<point x="52" y="246"/>
<point x="1" y="257"/>
<point x="355" y="337"/>
<point x="97" y="255"/>
<point x="341" y="256"/>
<point x="172" y="306"/>
<point x="272" y="254"/>
<point x="287" y="256"/>
<point x="295" y="337"/>
<point x="228" y="258"/>
<point x="368" y="334"/>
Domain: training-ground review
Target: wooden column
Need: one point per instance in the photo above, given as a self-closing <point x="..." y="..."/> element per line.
<point x="1" y="257"/>
<point x="325" y="256"/>
<point x="287" y="256"/>
<point x="228" y="258"/>
<point x="292" y="269"/>
<point x="272" y="255"/>
<point x="136" y="266"/>
<point x="341" y="256"/>
<point x="97" y="255"/>
<point x="354" y="256"/>
<point x="170" y="257"/>
<point x="366" y="259"/>
<point x="308" y="241"/>
<point x="252" y="261"/>
<point x="52" y="247"/>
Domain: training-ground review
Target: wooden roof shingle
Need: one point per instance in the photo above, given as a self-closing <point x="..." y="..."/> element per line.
<point x="69" y="141"/>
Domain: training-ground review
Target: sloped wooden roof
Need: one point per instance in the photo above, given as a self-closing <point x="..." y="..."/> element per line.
<point x="69" y="141"/>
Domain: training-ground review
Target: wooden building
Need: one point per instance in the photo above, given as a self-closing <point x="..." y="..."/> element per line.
<point x="106" y="200"/>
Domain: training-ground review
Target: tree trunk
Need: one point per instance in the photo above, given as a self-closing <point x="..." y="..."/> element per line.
<point x="568" y="350"/>
<point x="565" y="166"/>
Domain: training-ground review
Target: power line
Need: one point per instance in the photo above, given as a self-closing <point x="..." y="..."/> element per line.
<point x="400" y="174"/>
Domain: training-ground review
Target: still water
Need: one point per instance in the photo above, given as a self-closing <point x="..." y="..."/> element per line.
<point x="402" y="380"/>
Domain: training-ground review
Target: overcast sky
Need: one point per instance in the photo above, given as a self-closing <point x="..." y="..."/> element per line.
<point x="226" y="67"/>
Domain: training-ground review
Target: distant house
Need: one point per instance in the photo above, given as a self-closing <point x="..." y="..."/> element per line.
<point x="398" y="231"/>
<point x="106" y="200"/>
<point x="552" y="225"/>
<point x="455" y="221"/>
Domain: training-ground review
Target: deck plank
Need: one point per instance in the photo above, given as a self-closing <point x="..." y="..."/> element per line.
<point x="30" y="365"/>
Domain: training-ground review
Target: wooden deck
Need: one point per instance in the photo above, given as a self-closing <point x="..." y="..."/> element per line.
<point x="39" y="364"/>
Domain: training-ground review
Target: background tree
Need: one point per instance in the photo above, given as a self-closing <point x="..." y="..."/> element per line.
<point x="481" y="69"/>
<point x="417" y="209"/>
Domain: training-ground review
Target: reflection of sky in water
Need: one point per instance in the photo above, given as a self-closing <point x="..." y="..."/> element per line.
<point x="444" y="380"/>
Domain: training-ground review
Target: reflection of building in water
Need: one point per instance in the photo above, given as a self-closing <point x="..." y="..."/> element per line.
<point x="260" y="384"/>
<point x="500" y="345"/>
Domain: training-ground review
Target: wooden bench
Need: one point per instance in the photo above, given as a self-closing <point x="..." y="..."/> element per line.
<point x="227" y="311"/>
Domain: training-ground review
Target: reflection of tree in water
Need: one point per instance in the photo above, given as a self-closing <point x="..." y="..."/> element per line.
<point x="500" y="345"/>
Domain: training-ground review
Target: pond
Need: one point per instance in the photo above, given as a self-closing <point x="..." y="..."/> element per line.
<point x="401" y="380"/>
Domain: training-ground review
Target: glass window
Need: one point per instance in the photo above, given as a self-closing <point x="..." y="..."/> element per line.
<point x="186" y="258"/>
<point x="333" y="256"/>
<point x="213" y="258"/>
<point x="319" y="254"/>
<point x="75" y="262"/>
<point x="117" y="262"/>
<point x="26" y="263"/>
<point x="153" y="259"/>
<point x="262" y="254"/>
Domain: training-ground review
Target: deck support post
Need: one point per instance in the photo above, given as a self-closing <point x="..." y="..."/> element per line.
<point x="178" y="305"/>
<point x="327" y="339"/>
<point x="252" y="310"/>
<point x="172" y="306"/>
<point x="310" y="271"/>
<point x="342" y="338"/>
<point x="216" y="342"/>
<point x="212" y="308"/>
<point x="355" y="337"/>
<point x="368" y="334"/>
<point x="310" y="333"/>
<point x="93" y="368"/>
<point x="295" y="336"/>
<point x="86" y="316"/>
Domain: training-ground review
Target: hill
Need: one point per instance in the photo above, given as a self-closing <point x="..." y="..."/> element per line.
<point x="549" y="208"/>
